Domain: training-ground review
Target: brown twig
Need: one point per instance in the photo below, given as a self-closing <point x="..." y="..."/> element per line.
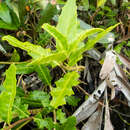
<point x="54" y="116"/>
<point x="82" y="90"/>
<point x="18" y="122"/>
<point x="95" y="13"/>
<point x="19" y="79"/>
<point x="123" y="39"/>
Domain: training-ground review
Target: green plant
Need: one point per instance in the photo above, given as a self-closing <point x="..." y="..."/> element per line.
<point x="69" y="49"/>
<point x="8" y="17"/>
<point x="8" y="94"/>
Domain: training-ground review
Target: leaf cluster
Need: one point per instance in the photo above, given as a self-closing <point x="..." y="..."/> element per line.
<point x="71" y="39"/>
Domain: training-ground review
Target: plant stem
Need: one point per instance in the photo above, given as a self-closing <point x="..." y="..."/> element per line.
<point x="26" y="122"/>
<point x="54" y="114"/>
<point x="18" y="122"/>
<point x="8" y="63"/>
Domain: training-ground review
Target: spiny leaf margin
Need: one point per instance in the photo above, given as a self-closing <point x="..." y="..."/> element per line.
<point x="64" y="88"/>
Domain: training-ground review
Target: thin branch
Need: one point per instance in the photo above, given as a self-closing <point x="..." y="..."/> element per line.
<point x="18" y="122"/>
<point x="8" y="63"/>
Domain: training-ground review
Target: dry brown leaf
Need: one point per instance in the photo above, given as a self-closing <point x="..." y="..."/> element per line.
<point x="90" y="105"/>
<point x="108" y="64"/>
<point x="86" y="67"/>
<point x="119" y="71"/>
<point x="108" y="125"/>
<point x="113" y="93"/>
<point x="86" y="112"/>
<point x="94" y="121"/>
<point x="95" y="54"/>
<point x="124" y="60"/>
<point x="112" y="89"/>
<point x="122" y="85"/>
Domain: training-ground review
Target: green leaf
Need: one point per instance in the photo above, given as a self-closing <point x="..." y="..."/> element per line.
<point x="7" y="96"/>
<point x="43" y="123"/>
<point x="32" y="103"/>
<point x="44" y="38"/>
<point x="15" y="19"/>
<point x="113" y="2"/>
<point x="92" y="42"/>
<point x="56" y="57"/>
<point x="60" y="38"/>
<point x="105" y="39"/>
<point x="40" y="96"/>
<point x="101" y="3"/>
<point x="67" y="23"/>
<point x="72" y="100"/>
<point x="127" y="52"/>
<point x="22" y="68"/>
<point x="20" y="92"/>
<point x="4" y="13"/>
<point x="47" y="14"/>
<point x="108" y="38"/>
<point x="60" y="116"/>
<point x="128" y="44"/>
<point x="64" y="88"/>
<point x="43" y="73"/>
<point x="82" y="36"/>
<point x="118" y="47"/>
<point x="20" y="109"/>
<point x="70" y="124"/>
<point x="1" y="88"/>
<point x="13" y="8"/>
<point x="86" y="4"/>
<point x="22" y="10"/>
<point x="76" y="55"/>
<point x="15" y="56"/>
<point x="33" y="50"/>
<point x="4" y="25"/>
<point x="60" y="2"/>
<point x="84" y="25"/>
